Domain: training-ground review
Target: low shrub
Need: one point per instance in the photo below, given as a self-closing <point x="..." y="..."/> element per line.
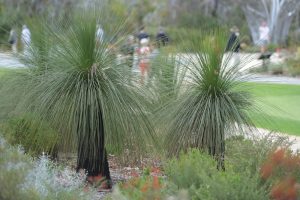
<point x="13" y="169"/>
<point x="197" y="172"/>
<point x="22" y="178"/>
<point x="144" y="187"/>
<point x="147" y="187"/>
<point x="293" y="65"/>
<point x="248" y="154"/>
<point x="282" y="171"/>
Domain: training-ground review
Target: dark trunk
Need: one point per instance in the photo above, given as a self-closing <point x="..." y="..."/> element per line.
<point x="92" y="155"/>
<point x="221" y="157"/>
<point x="218" y="153"/>
<point x="215" y="8"/>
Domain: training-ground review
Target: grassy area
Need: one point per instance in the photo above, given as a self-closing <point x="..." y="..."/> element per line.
<point x="280" y="104"/>
<point x="3" y="71"/>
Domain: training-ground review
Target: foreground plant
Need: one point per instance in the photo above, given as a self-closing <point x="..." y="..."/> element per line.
<point x="23" y="178"/>
<point x="212" y="101"/>
<point x="281" y="169"/>
<point x="79" y="90"/>
<point x="196" y="172"/>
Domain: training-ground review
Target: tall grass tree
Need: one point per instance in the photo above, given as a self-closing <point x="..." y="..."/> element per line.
<point x="79" y="88"/>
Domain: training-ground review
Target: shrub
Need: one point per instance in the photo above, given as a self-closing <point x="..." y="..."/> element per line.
<point x="247" y="155"/>
<point x="197" y="172"/>
<point x="281" y="170"/>
<point x="146" y="187"/>
<point x="294" y="66"/>
<point x="13" y="169"/>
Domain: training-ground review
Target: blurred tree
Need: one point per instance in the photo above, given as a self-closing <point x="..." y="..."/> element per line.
<point x="140" y="9"/>
<point x="16" y="12"/>
<point x="277" y="13"/>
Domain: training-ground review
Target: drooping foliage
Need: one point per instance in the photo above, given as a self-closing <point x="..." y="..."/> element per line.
<point x="73" y="81"/>
<point x="212" y="101"/>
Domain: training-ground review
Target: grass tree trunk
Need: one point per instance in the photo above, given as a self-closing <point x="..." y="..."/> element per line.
<point x="216" y="147"/>
<point x="92" y="155"/>
<point x="219" y="154"/>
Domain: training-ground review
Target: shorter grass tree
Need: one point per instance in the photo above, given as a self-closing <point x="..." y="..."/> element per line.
<point x="212" y="101"/>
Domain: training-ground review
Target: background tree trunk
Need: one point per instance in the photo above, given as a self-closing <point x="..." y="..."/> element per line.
<point x="215" y="8"/>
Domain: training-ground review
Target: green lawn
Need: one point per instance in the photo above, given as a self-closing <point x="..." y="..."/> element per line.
<point x="280" y="104"/>
<point x="3" y="71"/>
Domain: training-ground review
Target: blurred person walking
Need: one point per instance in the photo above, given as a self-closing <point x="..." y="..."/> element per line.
<point x="142" y="34"/>
<point x="13" y="40"/>
<point x="26" y="38"/>
<point x="144" y="58"/>
<point x="233" y="45"/>
<point x="264" y="36"/>
<point x="99" y="34"/>
<point x="161" y="38"/>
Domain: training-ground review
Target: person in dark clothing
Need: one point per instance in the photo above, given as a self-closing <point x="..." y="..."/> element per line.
<point x="161" y="38"/>
<point x="13" y="40"/>
<point x="233" y="46"/>
<point x="233" y="43"/>
<point x="142" y="34"/>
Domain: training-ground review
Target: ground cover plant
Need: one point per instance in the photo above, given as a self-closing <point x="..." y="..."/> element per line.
<point x="279" y="103"/>
<point x="23" y="178"/>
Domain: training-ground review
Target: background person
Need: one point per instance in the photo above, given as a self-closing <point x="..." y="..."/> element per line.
<point x="264" y="36"/>
<point x="144" y="57"/>
<point x="13" y="40"/>
<point x="99" y="33"/>
<point x="161" y="38"/>
<point x="26" y="38"/>
<point x="233" y="45"/>
<point x="142" y="34"/>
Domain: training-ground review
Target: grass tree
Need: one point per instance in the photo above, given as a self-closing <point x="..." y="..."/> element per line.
<point x="212" y="100"/>
<point x="82" y="93"/>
